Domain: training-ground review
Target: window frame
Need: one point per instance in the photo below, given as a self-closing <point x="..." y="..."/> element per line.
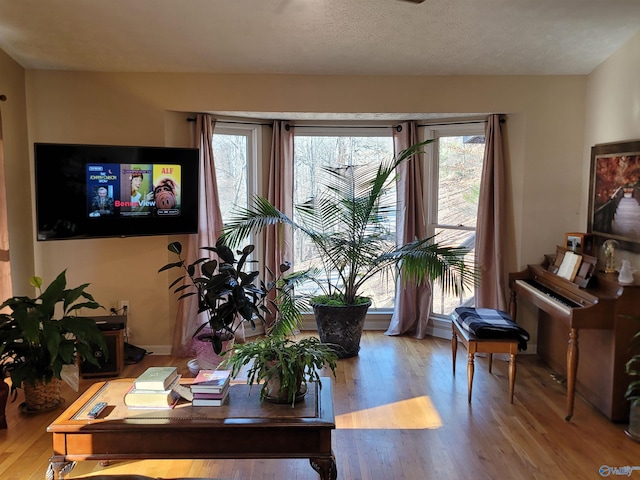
<point x="253" y="134"/>
<point x="375" y="130"/>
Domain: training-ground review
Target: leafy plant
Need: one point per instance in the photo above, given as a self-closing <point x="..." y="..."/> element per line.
<point x="345" y="223"/>
<point x="276" y="357"/>
<point x="632" y="367"/>
<point x="34" y="346"/>
<point x="229" y="295"/>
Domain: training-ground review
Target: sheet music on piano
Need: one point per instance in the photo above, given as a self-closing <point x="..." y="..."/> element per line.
<point x="569" y="266"/>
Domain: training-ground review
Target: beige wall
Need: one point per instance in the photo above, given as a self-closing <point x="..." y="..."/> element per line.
<point x="613" y="109"/>
<point x="545" y="131"/>
<point x="16" y="159"/>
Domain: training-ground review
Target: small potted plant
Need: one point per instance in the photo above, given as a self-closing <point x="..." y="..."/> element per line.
<point x="35" y="346"/>
<point x="282" y="365"/>
<point x="226" y="293"/>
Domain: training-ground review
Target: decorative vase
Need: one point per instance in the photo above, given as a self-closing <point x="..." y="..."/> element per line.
<point x="42" y="396"/>
<point x="205" y="356"/>
<point x="341" y="326"/>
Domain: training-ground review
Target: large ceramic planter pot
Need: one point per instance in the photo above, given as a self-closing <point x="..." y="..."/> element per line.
<point x="341" y="326"/>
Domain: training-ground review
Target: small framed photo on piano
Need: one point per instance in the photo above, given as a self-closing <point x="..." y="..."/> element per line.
<point x="579" y="242"/>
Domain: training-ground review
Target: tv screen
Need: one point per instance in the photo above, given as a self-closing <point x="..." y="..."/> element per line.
<point x="93" y="191"/>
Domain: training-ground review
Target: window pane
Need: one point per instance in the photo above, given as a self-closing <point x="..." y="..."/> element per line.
<point x="460" y="168"/>
<point x="444" y="303"/>
<point x="311" y="154"/>
<point x="230" y="154"/>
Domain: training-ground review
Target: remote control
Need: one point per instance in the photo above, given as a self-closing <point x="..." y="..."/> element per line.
<point x="97" y="409"/>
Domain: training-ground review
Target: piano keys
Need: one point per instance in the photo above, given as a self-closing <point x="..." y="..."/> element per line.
<point x="583" y="330"/>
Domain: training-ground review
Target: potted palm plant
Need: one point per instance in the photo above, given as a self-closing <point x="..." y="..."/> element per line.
<point x="227" y="294"/>
<point x="35" y="345"/>
<point x="345" y="223"/>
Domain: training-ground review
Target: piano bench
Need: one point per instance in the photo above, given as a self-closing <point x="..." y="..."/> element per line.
<point x="483" y="345"/>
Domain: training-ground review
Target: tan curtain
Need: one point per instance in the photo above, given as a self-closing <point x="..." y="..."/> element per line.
<point x="210" y="226"/>
<point x="491" y="245"/>
<point x="278" y="239"/>
<point x="412" y="303"/>
<point x="6" y="289"/>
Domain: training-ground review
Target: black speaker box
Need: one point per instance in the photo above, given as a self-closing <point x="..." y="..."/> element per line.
<point x="111" y="364"/>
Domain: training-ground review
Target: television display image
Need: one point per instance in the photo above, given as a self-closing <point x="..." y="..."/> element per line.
<point x="92" y="191"/>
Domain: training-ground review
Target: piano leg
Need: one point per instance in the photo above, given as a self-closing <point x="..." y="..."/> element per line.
<point x="572" y="370"/>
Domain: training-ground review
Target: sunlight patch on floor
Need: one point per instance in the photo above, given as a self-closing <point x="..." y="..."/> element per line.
<point x="416" y="413"/>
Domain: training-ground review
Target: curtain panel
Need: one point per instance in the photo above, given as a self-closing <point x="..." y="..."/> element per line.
<point x="491" y="244"/>
<point x="210" y="227"/>
<point x="278" y="239"/>
<point x="6" y="289"/>
<point x="412" y="302"/>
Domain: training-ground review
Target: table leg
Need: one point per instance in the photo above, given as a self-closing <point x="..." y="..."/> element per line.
<point x="470" y="370"/>
<point x="58" y="468"/>
<point x="325" y="466"/>
<point x="454" y="348"/>
<point x="512" y="376"/>
<point x="572" y="370"/>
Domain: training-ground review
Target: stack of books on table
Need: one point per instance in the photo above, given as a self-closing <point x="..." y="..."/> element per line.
<point x="154" y="389"/>
<point x="210" y="388"/>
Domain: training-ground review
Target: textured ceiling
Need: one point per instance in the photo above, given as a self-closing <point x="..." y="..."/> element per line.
<point x="340" y="37"/>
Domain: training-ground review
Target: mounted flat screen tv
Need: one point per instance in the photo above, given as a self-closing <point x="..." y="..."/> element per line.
<point x="97" y="191"/>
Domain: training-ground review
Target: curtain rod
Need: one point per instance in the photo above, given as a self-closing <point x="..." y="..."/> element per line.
<point x="397" y="126"/>
<point x="191" y="119"/>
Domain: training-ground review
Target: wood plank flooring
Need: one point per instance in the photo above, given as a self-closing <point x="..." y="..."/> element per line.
<point x="400" y="414"/>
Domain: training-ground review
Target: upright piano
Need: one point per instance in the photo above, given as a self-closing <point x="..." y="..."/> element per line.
<point x="584" y="328"/>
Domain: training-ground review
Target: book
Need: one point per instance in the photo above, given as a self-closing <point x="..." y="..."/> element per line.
<point x="210" y="396"/>
<point x="211" y="381"/>
<point x="137" y="397"/>
<point x="569" y="266"/>
<point x="184" y="391"/>
<point x="211" y="402"/>
<point x="156" y="378"/>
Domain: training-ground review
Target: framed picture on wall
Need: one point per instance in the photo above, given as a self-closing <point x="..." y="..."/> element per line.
<point x="614" y="193"/>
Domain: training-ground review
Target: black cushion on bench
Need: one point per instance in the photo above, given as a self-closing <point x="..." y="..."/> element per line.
<point x="490" y="323"/>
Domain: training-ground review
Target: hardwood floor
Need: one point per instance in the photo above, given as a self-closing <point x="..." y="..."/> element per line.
<point x="400" y="414"/>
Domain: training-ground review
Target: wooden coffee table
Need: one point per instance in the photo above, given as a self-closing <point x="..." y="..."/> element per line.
<point x="244" y="428"/>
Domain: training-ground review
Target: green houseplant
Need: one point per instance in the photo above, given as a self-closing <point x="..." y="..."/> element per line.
<point x="282" y="365"/>
<point x="345" y="223"/>
<point x="35" y="345"/>
<point x="632" y="367"/>
<point x="227" y="293"/>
